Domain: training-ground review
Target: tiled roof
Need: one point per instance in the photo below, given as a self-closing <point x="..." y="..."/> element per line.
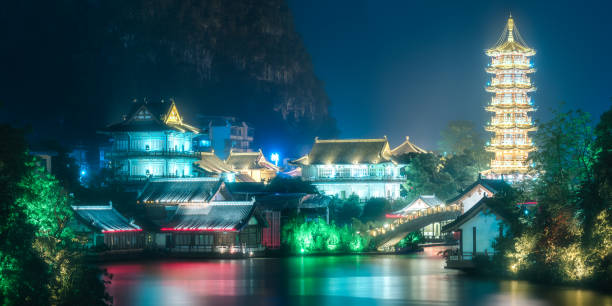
<point x="429" y="200"/>
<point x="492" y="185"/>
<point x="104" y="218"/>
<point x="180" y="190"/>
<point x="145" y="116"/>
<point x="209" y="162"/>
<point x="214" y="216"/>
<point x="248" y="160"/>
<point x="407" y="147"/>
<point x="347" y="151"/>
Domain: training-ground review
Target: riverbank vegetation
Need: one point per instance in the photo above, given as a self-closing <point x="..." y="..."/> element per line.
<point x="40" y="258"/>
<point x="567" y="238"/>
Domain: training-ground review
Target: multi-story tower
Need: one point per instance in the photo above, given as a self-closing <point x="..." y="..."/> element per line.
<point x="152" y="141"/>
<point x="510" y="104"/>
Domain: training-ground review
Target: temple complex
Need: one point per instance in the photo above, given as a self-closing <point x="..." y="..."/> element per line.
<point x="510" y="105"/>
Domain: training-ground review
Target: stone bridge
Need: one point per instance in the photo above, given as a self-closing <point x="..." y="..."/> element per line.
<point x="389" y="235"/>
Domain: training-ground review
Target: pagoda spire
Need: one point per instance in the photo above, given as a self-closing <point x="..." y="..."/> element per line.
<point x="510" y="26"/>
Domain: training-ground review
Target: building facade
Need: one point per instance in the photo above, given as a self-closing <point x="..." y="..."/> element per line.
<point x="510" y="105"/>
<point x="251" y="166"/>
<point x="152" y="141"/>
<point x="345" y="167"/>
<point x="224" y="134"/>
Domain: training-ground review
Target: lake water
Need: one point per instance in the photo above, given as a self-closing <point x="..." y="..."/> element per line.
<point x="417" y="279"/>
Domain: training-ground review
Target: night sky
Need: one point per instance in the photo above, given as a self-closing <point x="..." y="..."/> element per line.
<point x="409" y="67"/>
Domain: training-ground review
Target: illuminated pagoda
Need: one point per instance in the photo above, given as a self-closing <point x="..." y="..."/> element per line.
<point x="152" y="141"/>
<point x="510" y="105"/>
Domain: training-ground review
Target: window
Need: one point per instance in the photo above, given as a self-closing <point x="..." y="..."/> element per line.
<point x="344" y="172"/>
<point x="147" y="147"/>
<point x="324" y="172"/>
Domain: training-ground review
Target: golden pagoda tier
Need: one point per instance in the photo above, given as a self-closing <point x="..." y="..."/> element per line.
<point x="510" y="104"/>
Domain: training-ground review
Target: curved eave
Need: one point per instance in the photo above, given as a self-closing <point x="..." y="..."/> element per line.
<point x="495" y="148"/>
<point x="504" y="68"/>
<point x="493" y="128"/>
<point x="501" y="107"/>
<point x="496" y="88"/>
<point x="510" y="48"/>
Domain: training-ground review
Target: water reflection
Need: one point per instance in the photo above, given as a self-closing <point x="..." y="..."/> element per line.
<point x="351" y="280"/>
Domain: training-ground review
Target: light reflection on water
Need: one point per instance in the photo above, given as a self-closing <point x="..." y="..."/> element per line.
<point x="320" y="281"/>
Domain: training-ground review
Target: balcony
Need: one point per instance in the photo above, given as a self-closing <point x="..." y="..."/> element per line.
<point x="339" y="179"/>
<point x="511" y="82"/>
<point x="509" y="165"/>
<point x="152" y="154"/>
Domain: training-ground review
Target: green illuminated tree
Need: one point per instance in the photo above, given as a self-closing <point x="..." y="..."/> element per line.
<point x="23" y="275"/>
<point x="47" y="208"/>
<point x="40" y="262"/>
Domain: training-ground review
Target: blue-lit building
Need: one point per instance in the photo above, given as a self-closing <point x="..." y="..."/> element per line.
<point x="344" y="167"/>
<point x="223" y="134"/>
<point x="152" y="141"/>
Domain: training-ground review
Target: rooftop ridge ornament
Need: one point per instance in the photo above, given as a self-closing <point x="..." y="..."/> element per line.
<point x="510" y="27"/>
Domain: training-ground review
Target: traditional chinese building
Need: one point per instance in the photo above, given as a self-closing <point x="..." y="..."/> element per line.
<point x="105" y="228"/>
<point x="482" y="188"/>
<point x="233" y="227"/>
<point x="511" y="104"/>
<point x="152" y="141"/>
<point x="251" y="166"/>
<point x="343" y="167"/>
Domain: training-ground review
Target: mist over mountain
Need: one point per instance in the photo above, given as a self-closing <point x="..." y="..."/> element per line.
<point x="91" y="59"/>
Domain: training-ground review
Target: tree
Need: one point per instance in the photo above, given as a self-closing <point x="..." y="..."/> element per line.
<point x="47" y="208"/>
<point x="40" y="261"/>
<point x="375" y="209"/>
<point x="344" y="211"/>
<point x="425" y="175"/>
<point x="23" y="275"/>
<point x="464" y="138"/>
<point x="291" y="185"/>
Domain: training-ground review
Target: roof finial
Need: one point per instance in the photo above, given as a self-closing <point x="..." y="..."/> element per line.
<point x="510" y="27"/>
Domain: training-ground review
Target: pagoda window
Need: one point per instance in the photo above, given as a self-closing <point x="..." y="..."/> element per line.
<point x="344" y="172"/>
<point x="147" y="148"/>
<point x="324" y="172"/>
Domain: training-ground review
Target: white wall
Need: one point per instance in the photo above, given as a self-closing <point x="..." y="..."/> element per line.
<point x="475" y="195"/>
<point x="364" y="190"/>
<point x="487" y="230"/>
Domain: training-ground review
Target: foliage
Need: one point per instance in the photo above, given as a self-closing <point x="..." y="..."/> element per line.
<point x="344" y="211"/>
<point x="375" y="209"/>
<point x="319" y="237"/>
<point x="23" y="275"/>
<point x="291" y="185"/>
<point x="411" y="240"/>
<point x="41" y="262"/>
<point x="569" y="238"/>
<point x="464" y="138"/>
<point x="425" y="175"/>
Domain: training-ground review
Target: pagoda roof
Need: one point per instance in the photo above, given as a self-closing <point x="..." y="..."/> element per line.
<point x="249" y="160"/>
<point x="510" y="41"/>
<point x="104" y="218"/>
<point x="214" y="216"/>
<point x="493" y="186"/>
<point x="209" y="162"/>
<point x="407" y="147"/>
<point x="150" y="117"/>
<point x="180" y="190"/>
<point x="347" y="151"/>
